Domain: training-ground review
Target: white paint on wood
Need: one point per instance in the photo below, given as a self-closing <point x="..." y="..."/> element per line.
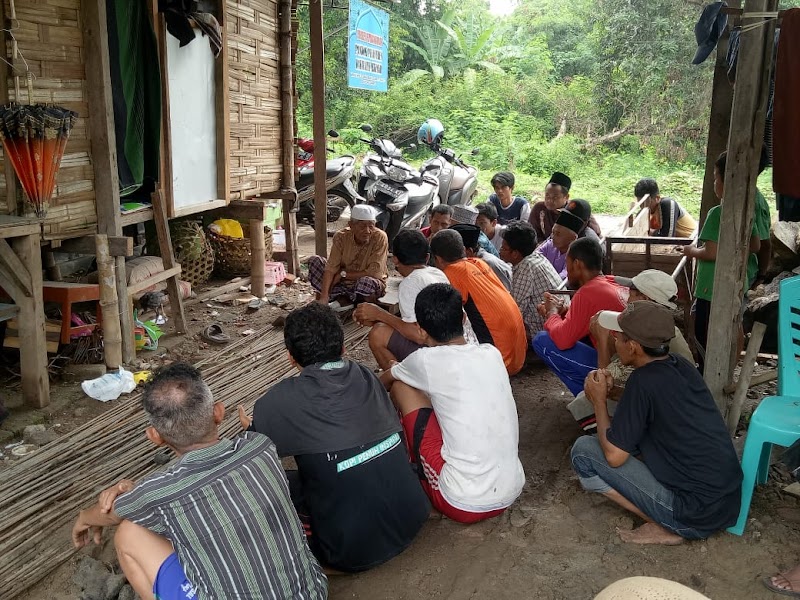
<point x="193" y="126"/>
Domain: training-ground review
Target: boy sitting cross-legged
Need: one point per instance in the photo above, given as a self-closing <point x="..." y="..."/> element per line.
<point x="459" y="414"/>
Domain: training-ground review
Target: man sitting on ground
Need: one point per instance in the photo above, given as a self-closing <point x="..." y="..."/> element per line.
<point x="487" y="221"/>
<point x="569" y="226"/>
<point x="560" y="345"/>
<point x="687" y="481"/>
<point x="355" y="271"/>
<point x="357" y="496"/>
<point x="459" y="414"/>
<point x="219" y="523"/>
<point x="533" y="275"/>
<point x="441" y="218"/>
<point x="545" y="213"/>
<point x="652" y="285"/>
<point x="470" y="234"/>
<point x="508" y="206"/>
<point x="393" y="338"/>
<point x="667" y="217"/>
<point x="491" y="310"/>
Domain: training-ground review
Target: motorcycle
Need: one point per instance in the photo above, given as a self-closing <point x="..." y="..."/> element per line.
<point x="458" y="181"/>
<point x="339" y="184"/>
<point x="401" y="194"/>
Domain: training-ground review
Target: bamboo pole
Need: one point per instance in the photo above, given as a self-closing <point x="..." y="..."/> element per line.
<point x="746" y="373"/>
<point x="257" y="257"/>
<point x="112" y="335"/>
<point x="318" y="111"/>
<point x="287" y="133"/>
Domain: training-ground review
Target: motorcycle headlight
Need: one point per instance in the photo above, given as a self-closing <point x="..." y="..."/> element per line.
<point x="397" y="174"/>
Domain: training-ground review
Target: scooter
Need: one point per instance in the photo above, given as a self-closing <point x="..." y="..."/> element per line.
<point x="339" y="184"/>
<point x="458" y="181"/>
<point x="401" y="194"/>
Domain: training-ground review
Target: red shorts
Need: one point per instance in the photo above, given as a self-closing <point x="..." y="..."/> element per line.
<point x="424" y="440"/>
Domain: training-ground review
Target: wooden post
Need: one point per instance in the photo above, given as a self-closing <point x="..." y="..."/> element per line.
<point x="167" y="255"/>
<point x="720" y="120"/>
<point x="744" y="151"/>
<point x="288" y="134"/>
<point x="112" y="334"/>
<point x="745" y="375"/>
<point x="104" y="153"/>
<point x="318" y="109"/>
<point x="32" y="350"/>
<point x="257" y="257"/>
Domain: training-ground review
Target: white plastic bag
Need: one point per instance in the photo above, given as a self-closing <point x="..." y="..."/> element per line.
<point x="110" y="386"/>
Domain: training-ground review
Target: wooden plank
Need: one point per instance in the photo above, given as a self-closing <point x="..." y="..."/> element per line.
<point x="234" y="284"/>
<point x="243" y="210"/>
<point x="16" y="272"/>
<point x="141" y="216"/>
<point x="719" y="121"/>
<point x="744" y="150"/>
<point x="165" y="245"/>
<point x="165" y="184"/>
<point x="650" y="241"/>
<point x="135" y="288"/>
<point x="11" y="226"/>
<point x="33" y="353"/>
<point x="12" y="184"/>
<point x="117" y="246"/>
<point x="199" y="208"/>
<point x="8" y="311"/>
<point x="222" y="112"/>
<point x="318" y="110"/>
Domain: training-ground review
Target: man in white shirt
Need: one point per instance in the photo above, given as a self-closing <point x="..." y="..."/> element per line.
<point x="393" y="338"/>
<point x="458" y="414"/>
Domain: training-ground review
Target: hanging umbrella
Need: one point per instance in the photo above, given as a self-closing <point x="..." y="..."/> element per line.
<point x="34" y="138"/>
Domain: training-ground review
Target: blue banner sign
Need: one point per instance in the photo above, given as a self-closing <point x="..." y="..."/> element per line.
<point x="368" y="47"/>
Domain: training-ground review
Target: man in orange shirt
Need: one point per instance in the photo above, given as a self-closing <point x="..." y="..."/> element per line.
<point x="494" y="315"/>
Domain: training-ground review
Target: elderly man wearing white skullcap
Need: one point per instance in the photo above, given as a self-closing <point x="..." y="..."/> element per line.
<point x="356" y="268"/>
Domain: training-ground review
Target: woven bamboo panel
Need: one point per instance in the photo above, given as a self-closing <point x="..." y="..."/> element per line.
<point x="50" y="38"/>
<point x="254" y="87"/>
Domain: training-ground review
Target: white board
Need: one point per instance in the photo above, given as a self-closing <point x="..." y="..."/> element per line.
<point x="192" y="111"/>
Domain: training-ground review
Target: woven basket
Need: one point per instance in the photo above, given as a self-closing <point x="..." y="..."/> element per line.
<point x="232" y="255"/>
<point x="192" y="251"/>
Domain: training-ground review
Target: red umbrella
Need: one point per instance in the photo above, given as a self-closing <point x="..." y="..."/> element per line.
<point x="34" y="138"/>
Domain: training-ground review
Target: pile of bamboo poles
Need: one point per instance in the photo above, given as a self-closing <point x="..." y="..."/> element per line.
<point x="40" y="496"/>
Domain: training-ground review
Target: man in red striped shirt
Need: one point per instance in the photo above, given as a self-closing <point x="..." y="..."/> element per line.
<point x="565" y="344"/>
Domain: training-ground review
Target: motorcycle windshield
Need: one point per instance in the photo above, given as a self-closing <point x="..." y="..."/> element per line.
<point x="388" y="148"/>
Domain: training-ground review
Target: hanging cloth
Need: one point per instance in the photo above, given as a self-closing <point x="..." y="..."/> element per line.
<point x="182" y="15"/>
<point x="786" y="116"/>
<point x="136" y="92"/>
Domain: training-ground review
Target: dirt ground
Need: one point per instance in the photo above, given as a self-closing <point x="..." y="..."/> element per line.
<point x="556" y="542"/>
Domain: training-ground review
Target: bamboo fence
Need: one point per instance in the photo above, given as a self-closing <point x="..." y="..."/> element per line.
<point x="255" y="97"/>
<point x="40" y="496"/>
<point x="50" y="42"/>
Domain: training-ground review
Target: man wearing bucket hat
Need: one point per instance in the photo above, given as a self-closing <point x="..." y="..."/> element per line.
<point x="355" y="271"/>
<point x="651" y="284"/>
<point x="556" y="196"/>
<point x="687" y="481"/>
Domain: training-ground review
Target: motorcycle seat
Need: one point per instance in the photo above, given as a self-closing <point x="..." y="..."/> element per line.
<point x="332" y="168"/>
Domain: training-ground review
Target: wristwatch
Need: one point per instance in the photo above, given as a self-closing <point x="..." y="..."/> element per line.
<point x="343" y="274"/>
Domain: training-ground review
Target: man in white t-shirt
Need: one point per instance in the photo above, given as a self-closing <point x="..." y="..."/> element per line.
<point x="393" y="338"/>
<point x="463" y="441"/>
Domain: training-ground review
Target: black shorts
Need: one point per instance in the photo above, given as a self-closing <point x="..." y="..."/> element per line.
<point x="401" y="347"/>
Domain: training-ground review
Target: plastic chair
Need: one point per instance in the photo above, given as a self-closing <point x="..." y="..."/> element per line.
<point x="776" y="420"/>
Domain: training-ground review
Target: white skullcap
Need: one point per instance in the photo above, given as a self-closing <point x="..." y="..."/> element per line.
<point x="362" y="212"/>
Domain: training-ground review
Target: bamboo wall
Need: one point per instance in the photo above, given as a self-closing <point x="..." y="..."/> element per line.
<point x="254" y="87"/>
<point x="50" y="38"/>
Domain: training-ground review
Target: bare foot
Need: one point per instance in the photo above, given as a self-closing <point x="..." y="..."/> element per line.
<point x="785" y="583"/>
<point x="649" y="533"/>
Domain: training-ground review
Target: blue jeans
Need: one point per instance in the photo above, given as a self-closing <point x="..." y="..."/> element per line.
<point x="633" y="480"/>
<point x="571" y="366"/>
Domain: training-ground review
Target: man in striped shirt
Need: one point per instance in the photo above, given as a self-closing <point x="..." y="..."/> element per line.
<point x="219" y="523"/>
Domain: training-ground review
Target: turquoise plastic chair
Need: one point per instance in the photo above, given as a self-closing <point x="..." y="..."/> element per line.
<point x="776" y="420"/>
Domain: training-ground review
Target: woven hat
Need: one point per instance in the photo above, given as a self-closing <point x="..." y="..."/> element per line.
<point x="636" y="588"/>
<point x="362" y="212"/>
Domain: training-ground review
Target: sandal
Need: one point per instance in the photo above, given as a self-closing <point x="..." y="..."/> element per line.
<point x="791" y="592"/>
<point x="214" y="334"/>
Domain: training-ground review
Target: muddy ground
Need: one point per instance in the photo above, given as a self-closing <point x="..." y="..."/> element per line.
<point x="556" y="542"/>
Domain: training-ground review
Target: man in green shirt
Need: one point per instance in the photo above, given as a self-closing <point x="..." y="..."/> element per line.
<point x="706" y="254"/>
